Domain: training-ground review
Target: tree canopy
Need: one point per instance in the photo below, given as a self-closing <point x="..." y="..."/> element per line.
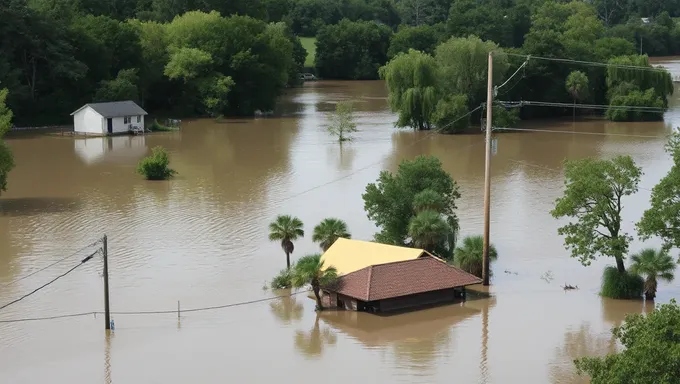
<point x="6" y="158"/>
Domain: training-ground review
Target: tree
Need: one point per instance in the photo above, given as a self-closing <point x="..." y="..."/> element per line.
<point x="389" y="202"/>
<point x="653" y="265"/>
<point x="342" y="123"/>
<point x="352" y="50"/>
<point x="411" y="81"/>
<point x="419" y="12"/>
<point x="286" y="229"/>
<point x="422" y="38"/>
<point x="123" y="87"/>
<point x="310" y="270"/>
<point x="469" y="256"/>
<point x="428" y="229"/>
<point x="451" y="114"/>
<point x="593" y="195"/>
<point x="651" y="354"/>
<point x="577" y="86"/>
<point x="156" y="166"/>
<point x="662" y="219"/>
<point x="6" y="158"/>
<point x="329" y="230"/>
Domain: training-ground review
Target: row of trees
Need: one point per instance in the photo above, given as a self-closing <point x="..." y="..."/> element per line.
<point x="593" y="199"/>
<point x="6" y="158"/>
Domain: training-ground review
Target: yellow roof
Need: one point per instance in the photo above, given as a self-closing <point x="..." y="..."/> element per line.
<point x="352" y="255"/>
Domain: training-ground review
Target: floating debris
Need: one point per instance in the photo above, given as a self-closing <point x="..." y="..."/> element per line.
<point x="548" y="277"/>
<point x="568" y="287"/>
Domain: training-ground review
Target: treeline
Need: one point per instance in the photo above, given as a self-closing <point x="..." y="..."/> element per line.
<point x="217" y="57"/>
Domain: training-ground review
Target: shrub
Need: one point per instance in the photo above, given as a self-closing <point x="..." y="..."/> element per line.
<point x="283" y="279"/>
<point x="636" y="98"/>
<point x="155" y="167"/>
<point x="469" y="255"/>
<point x="449" y="115"/>
<point x="158" y="127"/>
<point x="617" y="285"/>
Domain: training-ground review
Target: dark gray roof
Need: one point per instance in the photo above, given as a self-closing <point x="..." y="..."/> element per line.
<point x="115" y="109"/>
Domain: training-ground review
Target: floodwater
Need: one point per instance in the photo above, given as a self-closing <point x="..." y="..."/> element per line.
<point x="201" y="239"/>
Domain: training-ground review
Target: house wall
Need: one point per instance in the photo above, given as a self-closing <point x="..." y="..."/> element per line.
<point x="87" y="120"/>
<point x="119" y="125"/>
<point x="347" y="302"/>
<point x="420" y="299"/>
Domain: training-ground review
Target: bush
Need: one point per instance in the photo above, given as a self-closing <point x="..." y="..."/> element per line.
<point x="469" y="256"/>
<point x="283" y="279"/>
<point x="158" y="127"/>
<point x="155" y="167"/>
<point x="616" y="285"/>
<point x="636" y="98"/>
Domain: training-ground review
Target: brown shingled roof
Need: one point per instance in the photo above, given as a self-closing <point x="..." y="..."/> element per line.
<point x="402" y="278"/>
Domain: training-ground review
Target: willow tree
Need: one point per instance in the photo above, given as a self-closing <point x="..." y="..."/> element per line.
<point x="411" y="80"/>
<point x="6" y="158"/>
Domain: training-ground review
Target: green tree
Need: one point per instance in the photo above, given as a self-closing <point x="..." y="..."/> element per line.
<point x="123" y="87"/>
<point x="423" y="38"/>
<point x="310" y="270"/>
<point x="352" y="50"/>
<point x="577" y="86"/>
<point x="389" y="202"/>
<point x="428" y="200"/>
<point x="411" y="81"/>
<point x="286" y="229"/>
<point x="428" y="229"/>
<point x="653" y="265"/>
<point x="329" y="230"/>
<point x="6" y="158"/>
<point x="594" y="190"/>
<point x="342" y="123"/>
<point x="451" y="114"/>
<point x="419" y="12"/>
<point x="156" y="166"/>
<point x="662" y="219"/>
<point x="469" y="255"/>
<point x="651" y="354"/>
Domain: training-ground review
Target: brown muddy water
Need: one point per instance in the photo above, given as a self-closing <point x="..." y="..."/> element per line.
<point x="202" y="239"/>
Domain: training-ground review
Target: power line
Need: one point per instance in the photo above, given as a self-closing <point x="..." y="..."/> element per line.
<point x="578" y="133"/>
<point x="51" y="281"/>
<point x="54" y="263"/>
<point x="172" y="311"/>
<point x="591" y="63"/>
<point x="522" y="103"/>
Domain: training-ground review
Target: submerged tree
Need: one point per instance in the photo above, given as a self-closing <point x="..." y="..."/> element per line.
<point x="662" y="219"/>
<point x="286" y="229"/>
<point x="593" y="195"/>
<point x="651" y="354"/>
<point x="653" y="265"/>
<point x="328" y="231"/>
<point x="156" y="166"/>
<point x="577" y="86"/>
<point x="310" y="270"/>
<point x="342" y="123"/>
<point x="6" y="158"/>
<point x="428" y="229"/>
<point x="469" y="255"/>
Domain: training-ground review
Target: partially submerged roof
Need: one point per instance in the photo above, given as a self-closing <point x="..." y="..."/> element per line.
<point x="115" y="109"/>
<point x="402" y="278"/>
<point x="348" y="255"/>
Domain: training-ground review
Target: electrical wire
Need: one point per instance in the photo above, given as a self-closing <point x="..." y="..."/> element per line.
<point x="513" y="75"/>
<point x="523" y="103"/>
<point x="172" y="311"/>
<point x="83" y="261"/>
<point x="578" y="133"/>
<point x="591" y="63"/>
<point x="54" y="263"/>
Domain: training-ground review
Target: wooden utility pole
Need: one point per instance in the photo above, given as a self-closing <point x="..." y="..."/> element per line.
<point x="487" y="174"/>
<point x="107" y="312"/>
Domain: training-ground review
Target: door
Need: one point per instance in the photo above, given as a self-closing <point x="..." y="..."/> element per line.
<point x="109" y="125"/>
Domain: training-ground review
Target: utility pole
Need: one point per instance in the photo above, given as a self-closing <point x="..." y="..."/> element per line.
<point x="107" y="312"/>
<point x="487" y="173"/>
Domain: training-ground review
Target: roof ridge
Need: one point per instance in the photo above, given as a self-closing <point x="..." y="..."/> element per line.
<point x="396" y="262"/>
<point x="370" y="281"/>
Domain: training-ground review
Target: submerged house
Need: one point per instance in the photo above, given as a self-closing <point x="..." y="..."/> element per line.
<point x="377" y="277"/>
<point x="111" y="118"/>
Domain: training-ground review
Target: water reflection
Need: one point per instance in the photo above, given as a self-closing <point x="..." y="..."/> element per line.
<point x="107" y="357"/>
<point x="342" y="155"/>
<point x="615" y="311"/>
<point x="582" y="341"/>
<point x="286" y="309"/>
<point x="111" y="149"/>
<point x="313" y="342"/>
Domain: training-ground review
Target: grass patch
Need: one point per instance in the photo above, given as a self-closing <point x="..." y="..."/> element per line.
<point x="309" y="43"/>
<point x="283" y="279"/>
<point x="617" y="285"/>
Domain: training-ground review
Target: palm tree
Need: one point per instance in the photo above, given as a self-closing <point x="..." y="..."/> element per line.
<point x="577" y="86"/>
<point x="286" y="228"/>
<point x="428" y="200"/>
<point x="328" y="231"/>
<point x="428" y="229"/>
<point x="654" y="265"/>
<point x="310" y="270"/>
<point x="469" y="256"/>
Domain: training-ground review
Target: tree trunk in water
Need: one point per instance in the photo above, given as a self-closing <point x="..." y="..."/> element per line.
<point x="650" y="295"/>
<point x="288" y="260"/>
<point x="619" y="264"/>
<point x="315" y="288"/>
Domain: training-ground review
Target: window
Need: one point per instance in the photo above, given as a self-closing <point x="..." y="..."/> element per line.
<point x="139" y="119"/>
<point x="127" y="120"/>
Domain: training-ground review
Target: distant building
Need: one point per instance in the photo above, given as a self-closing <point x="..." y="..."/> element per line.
<point x="645" y="20"/>
<point x="377" y="277"/>
<point x="108" y="118"/>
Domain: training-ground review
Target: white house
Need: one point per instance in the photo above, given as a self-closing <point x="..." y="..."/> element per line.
<point x="108" y="118"/>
